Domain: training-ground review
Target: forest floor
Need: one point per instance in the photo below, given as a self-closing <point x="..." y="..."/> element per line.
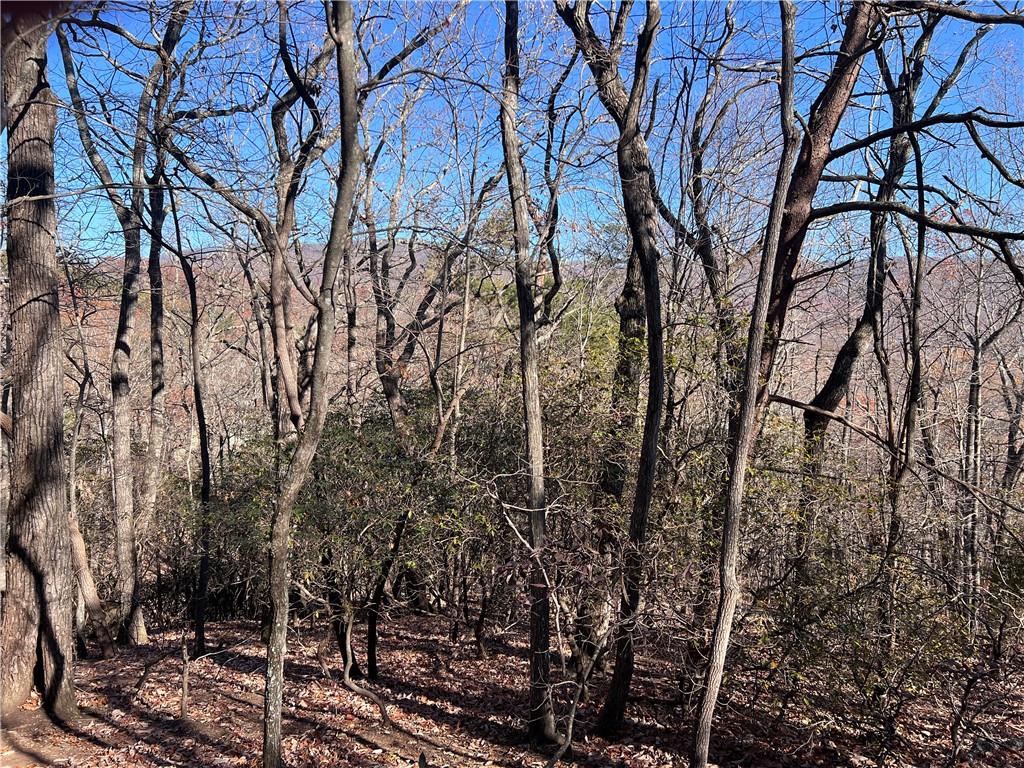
<point x="455" y="709"/>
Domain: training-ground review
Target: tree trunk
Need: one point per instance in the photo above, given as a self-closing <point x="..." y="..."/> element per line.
<point x="626" y="380"/>
<point x="903" y="95"/>
<point x="340" y="607"/>
<point x="377" y="597"/>
<point x="278" y="577"/>
<point x="634" y="173"/>
<point x="130" y="216"/>
<point x="340" y="26"/>
<point x="91" y="604"/>
<point x="132" y="629"/>
<point x="36" y="630"/>
<point x="744" y="421"/>
<point x="970" y="580"/>
<point x="153" y="470"/>
<point x="80" y="558"/>
<point x="789" y="218"/>
<point x="201" y="598"/>
<point x="1013" y="398"/>
<point x="541" y="722"/>
<point x="635" y="177"/>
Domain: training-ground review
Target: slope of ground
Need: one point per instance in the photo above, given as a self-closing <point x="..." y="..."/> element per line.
<point x="455" y="709"/>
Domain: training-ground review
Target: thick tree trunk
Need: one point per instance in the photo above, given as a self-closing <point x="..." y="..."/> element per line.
<point x="36" y="635"/>
<point x="153" y="470"/>
<point x="826" y="113"/>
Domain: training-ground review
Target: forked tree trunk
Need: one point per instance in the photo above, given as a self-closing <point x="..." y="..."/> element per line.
<point x="153" y="470"/>
<point x="635" y="178"/>
<point x="36" y="630"/>
<point x="634" y="171"/>
<point x="340" y="606"/>
<point x="130" y="217"/>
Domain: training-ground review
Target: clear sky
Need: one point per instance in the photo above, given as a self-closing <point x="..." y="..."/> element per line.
<point x="461" y="111"/>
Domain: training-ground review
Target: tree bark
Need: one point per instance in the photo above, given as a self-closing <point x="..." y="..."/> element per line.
<point x="743" y="426"/>
<point x="541" y="721"/>
<point x="636" y="180"/>
<point x="36" y="626"/>
<point x="201" y="598"/>
<point x="130" y="217"/>
<point x="903" y="96"/>
<point x="132" y="629"/>
<point x="79" y="555"/>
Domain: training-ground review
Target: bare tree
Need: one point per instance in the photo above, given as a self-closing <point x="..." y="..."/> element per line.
<point x="636" y="180"/>
<point x="201" y="598"/>
<point x="902" y="92"/>
<point x="983" y="328"/>
<point x="131" y="217"/>
<point x="788" y="219"/>
<point x="395" y="342"/>
<point x="402" y="368"/>
<point x="275" y="236"/>
<point x="541" y="721"/>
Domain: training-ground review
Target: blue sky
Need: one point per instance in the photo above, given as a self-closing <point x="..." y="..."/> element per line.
<point x="591" y="191"/>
